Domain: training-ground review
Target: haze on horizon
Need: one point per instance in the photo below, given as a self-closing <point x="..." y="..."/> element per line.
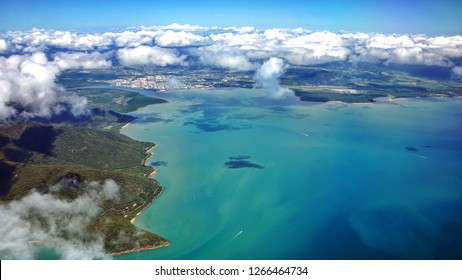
<point x="430" y="17"/>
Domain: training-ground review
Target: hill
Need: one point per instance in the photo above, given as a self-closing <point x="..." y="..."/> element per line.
<point x="36" y="157"/>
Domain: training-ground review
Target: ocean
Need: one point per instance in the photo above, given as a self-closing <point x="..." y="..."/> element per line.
<point x="247" y="177"/>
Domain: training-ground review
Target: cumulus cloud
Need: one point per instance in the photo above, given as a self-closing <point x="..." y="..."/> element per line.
<point x="176" y="26"/>
<point x="317" y="48"/>
<point x="267" y="77"/>
<point x="41" y="40"/>
<point x="81" y="60"/>
<point x="132" y="39"/>
<point x="28" y="89"/>
<point x="179" y="39"/>
<point x="45" y="219"/>
<point x="457" y="72"/>
<point x="406" y="49"/>
<point x="245" y="29"/>
<point x="224" y="57"/>
<point x="3" y="46"/>
<point x="144" y="55"/>
<point x="241" y="48"/>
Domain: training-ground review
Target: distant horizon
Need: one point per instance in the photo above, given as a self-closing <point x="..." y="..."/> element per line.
<point x="433" y="18"/>
<point x="102" y="29"/>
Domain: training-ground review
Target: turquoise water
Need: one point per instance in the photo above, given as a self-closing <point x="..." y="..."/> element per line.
<point x="250" y="178"/>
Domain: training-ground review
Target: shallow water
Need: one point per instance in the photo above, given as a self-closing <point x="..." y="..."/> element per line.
<point x="250" y="178"/>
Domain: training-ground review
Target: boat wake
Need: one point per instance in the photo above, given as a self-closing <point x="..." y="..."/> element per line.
<point x="424" y="157"/>
<point x="237" y="235"/>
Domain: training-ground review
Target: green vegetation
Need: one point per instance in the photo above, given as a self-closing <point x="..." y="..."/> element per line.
<point x="73" y="152"/>
<point x="76" y="79"/>
<point x="108" y="108"/>
<point x="36" y="156"/>
<point x="121" y="101"/>
<point x="368" y="81"/>
<point x="325" y="94"/>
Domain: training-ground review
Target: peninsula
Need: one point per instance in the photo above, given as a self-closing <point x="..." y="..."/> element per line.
<point x="36" y="155"/>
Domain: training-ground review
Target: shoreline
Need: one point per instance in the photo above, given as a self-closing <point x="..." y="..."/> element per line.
<point x="125" y="126"/>
<point x="163" y="244"/>
<point x="154" y="172"/>
<point x="132" y="221"/>
<point x="150" y="154"/>
<point x="166" y="243"/>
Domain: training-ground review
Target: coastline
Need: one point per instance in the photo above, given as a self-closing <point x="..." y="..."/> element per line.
<point x="125" y="125"/>
<point x="150" y="154"/>
<point x="164" y="244"/>
<point x="132" y="221"/>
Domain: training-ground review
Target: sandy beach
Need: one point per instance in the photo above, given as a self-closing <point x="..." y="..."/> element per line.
<point x="163" y="244"/>
<point x="150" y="155"/>
<point x="146" y="207"/>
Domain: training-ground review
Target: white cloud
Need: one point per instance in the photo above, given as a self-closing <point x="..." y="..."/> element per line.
<point x="40" y="40"/>
<point x="224" y="57"/>
<point x="28" y="88"/>
<point x="56" y="223"/>
<point x="179" y="39"/>
<point x="3" y="46"/>
<point x="245" y="29"/>
<point x="185" y="27"/>
<point x="144" y="55"/>
<point x="457" y="72"/>
<point x="236" y="40"/>
<point x="93" y="60"/>
<point x="90" y="41"/>
<point x="242" y="47"/>
<point x="133" y="39"/>
<point x="268" y="75"/>
<point x="407" y="49"/>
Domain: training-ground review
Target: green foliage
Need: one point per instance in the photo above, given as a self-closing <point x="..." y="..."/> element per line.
<point x="121" y="101"/>
<point x="87" y="155"/>
<point x="325" y="96"/>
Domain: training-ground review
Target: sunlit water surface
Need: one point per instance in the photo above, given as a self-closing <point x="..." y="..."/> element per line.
<point x="247" y="177"/>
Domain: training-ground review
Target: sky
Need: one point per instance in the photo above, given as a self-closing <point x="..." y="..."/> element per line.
<point x="431" y="17"/>
<point x="46" y="38"/>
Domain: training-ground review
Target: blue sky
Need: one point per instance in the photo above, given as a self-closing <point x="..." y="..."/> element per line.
<point x="432" y="17"/>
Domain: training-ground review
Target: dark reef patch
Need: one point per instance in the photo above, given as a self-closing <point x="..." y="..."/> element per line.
<point x="241" y="162"/>
<point x="286" y="112"/>
<point x="159" y="163"/>
<point x="212" y="118"/>
<point x="209" y="125"/>
<point x="412" y="149"/>
<point x="239" y="157"/>
<point x="247" y="117"/>
<point x="153" y="119"/>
